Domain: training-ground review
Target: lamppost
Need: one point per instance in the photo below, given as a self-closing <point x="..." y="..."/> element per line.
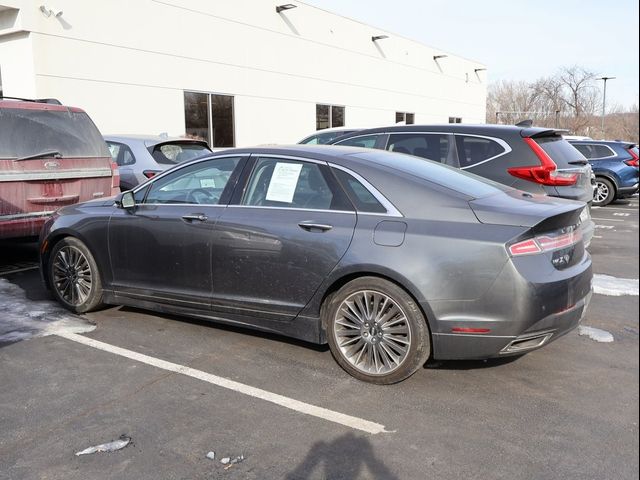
<point x="604" y="103"/>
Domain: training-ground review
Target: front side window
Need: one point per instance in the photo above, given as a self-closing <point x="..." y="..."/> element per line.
<point x="202" y="183"/>
<point x="329" y="116"/>
<point x="473" y="150"/>
<point x="292" y="184"/>
<point x="209" y="117"/>
<point x="426" y="145"/>
<point x="364" y="141"/>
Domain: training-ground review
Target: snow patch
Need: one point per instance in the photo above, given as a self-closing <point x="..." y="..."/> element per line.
<point x="595" y="334"/>
<point x="606" y="285"/>
<point x="21" y="318"/>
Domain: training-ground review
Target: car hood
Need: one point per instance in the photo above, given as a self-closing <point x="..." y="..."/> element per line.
<point x="517" y="208"/>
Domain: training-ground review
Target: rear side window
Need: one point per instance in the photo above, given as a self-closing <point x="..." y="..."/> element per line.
<point x="31" y="132"/>
<point x="560" y="151"/>
<point x="323" y="138"/>
<point x="595" y="151"/>
<point x="473" y="150"/>
<point x="172" y="153"/>
<point x="362" y="198"/>
<point x="287" y="183"/>
<point x="364" y="141"/>
<point x="432" y="146"/>
<point x="121" y="154"/>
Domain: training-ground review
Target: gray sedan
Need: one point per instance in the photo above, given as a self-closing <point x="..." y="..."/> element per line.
<point x="140" y="157"/>
<point x="388" y="258"/>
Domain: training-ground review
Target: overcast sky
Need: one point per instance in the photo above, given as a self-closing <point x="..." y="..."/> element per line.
<point x="518" y="39"/>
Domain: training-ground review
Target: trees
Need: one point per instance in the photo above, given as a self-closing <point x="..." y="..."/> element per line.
<point x="571" y="99"/>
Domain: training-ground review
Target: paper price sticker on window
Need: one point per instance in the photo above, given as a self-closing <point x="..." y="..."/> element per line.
<point x="283" y="182"/>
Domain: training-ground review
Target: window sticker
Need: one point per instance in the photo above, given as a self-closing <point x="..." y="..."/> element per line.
<point x="207" y="183"/>
<point x="283" y="182"/>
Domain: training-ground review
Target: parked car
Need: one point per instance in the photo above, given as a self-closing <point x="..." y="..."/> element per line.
<point x="615" y="165"/>
<point x="535" y="160"/>
<point x="50" y="156"/>
<point x="140" y="157"/>
<point x="326" y="135"/>
<point x="333" y="245"/>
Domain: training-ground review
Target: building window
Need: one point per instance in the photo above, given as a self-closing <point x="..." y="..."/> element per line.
<point x="407" y="118"/>
<point x="209" y="117"/>
<point x="455" y="119"/>
<point x="329" y="116"/>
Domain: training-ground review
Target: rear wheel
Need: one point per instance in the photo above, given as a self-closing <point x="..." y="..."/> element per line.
<point x="376" y="331"/>
<point x="74" y="276"/>
<point x="605" y="192"/>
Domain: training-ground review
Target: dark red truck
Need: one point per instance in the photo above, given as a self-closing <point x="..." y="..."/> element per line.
<point x="50" y="156"/>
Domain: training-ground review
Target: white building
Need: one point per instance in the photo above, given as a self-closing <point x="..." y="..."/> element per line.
<point x="252" y="73"/>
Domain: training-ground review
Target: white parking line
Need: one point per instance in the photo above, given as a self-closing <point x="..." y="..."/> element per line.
<point x="608" y="219"/>
<point x="302" y="407"/>
<point x="16" y="270"/>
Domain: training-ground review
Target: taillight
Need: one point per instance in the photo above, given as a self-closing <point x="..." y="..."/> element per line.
<point x="115" y="177"/>
<point x="547" y="172"/>
<point x="546" y="243"/>
<point x="634" y="160"/>
<point x="150" y="173"/>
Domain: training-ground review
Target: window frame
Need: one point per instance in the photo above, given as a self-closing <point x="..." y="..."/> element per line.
<point x="499" y="141"/>
<point x="209" y="139"/>
<point x="613" y="153"/>
<point x="331" y="106"/>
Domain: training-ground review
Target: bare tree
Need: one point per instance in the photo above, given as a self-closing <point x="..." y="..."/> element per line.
<point x="581" y="96"/>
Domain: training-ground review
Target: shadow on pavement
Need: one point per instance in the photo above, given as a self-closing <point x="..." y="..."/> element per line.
<point x="347" y="457"/>
<point x="469" y="364"/>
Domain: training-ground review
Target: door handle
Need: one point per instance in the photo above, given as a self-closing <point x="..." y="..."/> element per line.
<point x="198" y="216"/>
<point x="310" y="227"/>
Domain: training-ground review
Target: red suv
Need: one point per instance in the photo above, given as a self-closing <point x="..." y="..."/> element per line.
<point x="50" y="156"/>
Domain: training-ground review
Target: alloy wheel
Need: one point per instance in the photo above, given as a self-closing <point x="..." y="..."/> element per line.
<point x="602" y="192"/>
<point x="372" y="332"/>
<point x="72" y="276"/>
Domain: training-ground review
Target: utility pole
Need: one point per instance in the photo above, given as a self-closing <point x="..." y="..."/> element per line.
<point x="604" y="103"/>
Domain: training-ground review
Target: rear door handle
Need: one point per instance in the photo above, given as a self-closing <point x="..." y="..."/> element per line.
<point x="309" y="226"/>
<point x="197" y="217"/>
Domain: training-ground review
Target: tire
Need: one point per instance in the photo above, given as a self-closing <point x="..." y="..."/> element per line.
<point x="385" y="351"/>
<point x="74" y="276"/>
<point x="604" y="193"/>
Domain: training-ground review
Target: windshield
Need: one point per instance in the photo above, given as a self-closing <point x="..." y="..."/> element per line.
<point x="561" y="151"/>
<point x="24" y="133"/>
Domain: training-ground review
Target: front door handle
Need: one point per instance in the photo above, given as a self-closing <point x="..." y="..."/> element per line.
<point x="310" y="227"/>
<point x="197" y="217"/>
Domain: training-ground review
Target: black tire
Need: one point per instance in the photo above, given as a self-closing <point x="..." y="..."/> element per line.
<point x="78" y="287"/>
<point x="605" y="192"/>
<point x="386" y="303"/>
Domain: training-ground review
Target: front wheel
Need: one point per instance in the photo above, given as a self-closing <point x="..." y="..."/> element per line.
<point x="376" y="331"/>
<point x="605" y="192"/>
<point x="74" y="277"/>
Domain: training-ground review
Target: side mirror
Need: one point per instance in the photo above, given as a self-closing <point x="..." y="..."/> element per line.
<point x="126" y="201"/>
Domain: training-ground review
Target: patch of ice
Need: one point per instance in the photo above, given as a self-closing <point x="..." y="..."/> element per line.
<point x="595" y="334"/>
<point x="21" y="318"/>
<point x="607" y="285"/>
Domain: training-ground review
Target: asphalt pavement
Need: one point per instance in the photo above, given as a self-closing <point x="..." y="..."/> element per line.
<point x="182" y="388"/>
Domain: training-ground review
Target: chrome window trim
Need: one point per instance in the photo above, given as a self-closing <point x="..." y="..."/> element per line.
<point x="321" y="210"/>
<point x="499" y="141"/>
<point x="392" y="211"/>
<point x="614" y="154"/>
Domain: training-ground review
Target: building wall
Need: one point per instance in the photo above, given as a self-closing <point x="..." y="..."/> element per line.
<point x="128" y="63"/>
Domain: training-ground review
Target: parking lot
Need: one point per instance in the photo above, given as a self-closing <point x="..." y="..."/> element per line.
<point x="181" y="388"/>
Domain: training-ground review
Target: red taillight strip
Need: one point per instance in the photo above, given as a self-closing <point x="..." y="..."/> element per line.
<point x="546" y="173"/>
<point x="634" y="158"/>
<point x="545" y="243"/>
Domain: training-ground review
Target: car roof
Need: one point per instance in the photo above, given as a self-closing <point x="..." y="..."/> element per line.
<point x="34" y="105"/>
<point x="483" y="128"/>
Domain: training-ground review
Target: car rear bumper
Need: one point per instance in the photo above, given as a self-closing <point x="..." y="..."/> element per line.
<point x="22" y="225"/>
<point x="527" y="307"/>
<point x="550" y="328"/>
<point x="627" y="191"/>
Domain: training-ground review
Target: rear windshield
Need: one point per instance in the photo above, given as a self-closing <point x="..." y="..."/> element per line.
<point x="31" y="132"/>
<point x="176" y="152"/>
<point x="444" y="175"/>
<point x="560" y="151"/>
<point x="634" y="150"/>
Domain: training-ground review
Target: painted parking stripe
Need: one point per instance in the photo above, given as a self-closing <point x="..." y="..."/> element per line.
<point x="16" y="270"/>
<point x="608" y="219"/>
<point x="290" y="403"/>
